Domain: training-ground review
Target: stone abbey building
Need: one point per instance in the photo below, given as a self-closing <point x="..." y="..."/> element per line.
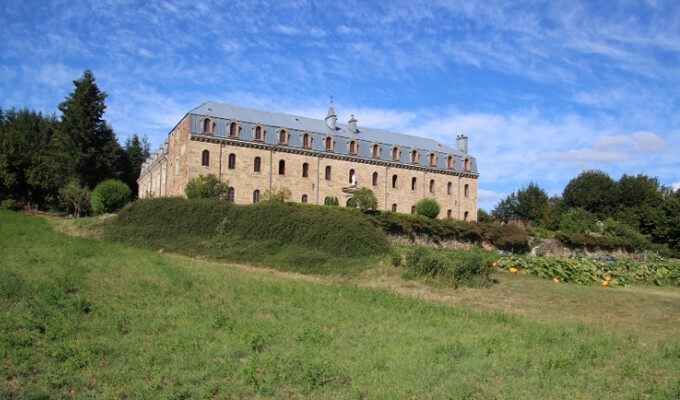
<point x="317" y="159"/>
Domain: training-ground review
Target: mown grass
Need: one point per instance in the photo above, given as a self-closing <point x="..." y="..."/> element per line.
<point x="85" y="319"/>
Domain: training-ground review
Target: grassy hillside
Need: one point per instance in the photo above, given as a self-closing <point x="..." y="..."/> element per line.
<point x="86" y="319"/>
<point x="285" y="235"/>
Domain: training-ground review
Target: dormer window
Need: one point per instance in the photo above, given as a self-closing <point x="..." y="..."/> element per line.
<point x="207" y="125"/>
<point x="466" y="164"/>
<point x="258" y="132"/>
<point x="233" y="129"/>
<point x="449" y="161"/>
<point x="328" y="143"/>
<point x="375" y="150"/>
<point x="414" y="156"/>
<point x="353" y="147"/>
<point x="283" y="136"/>
<point x="306" y="140"/>
<point x="396" y="154"/>
<point x="433" y="159"/>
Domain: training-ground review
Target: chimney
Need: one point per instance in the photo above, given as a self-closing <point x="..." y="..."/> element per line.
<point x="462" y="142"/>
<point x="353" y="125"/>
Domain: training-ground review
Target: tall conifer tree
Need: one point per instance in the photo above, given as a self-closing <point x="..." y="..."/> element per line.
<point x="85" y="147"/>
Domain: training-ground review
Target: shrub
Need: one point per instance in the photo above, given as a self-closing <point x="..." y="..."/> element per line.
<point x="428" y="207"/>
<point x="206" y="187"/>
<point x="77" y="197"/>
<point x="12" y="205"/>
<point x="280" y="195"/>
<point x="456" y="268"/>
<point x="110" y="196"/>
<point x="510" y="237"/>
<point x="577" y="220"/>
<point x="365" y="199"/>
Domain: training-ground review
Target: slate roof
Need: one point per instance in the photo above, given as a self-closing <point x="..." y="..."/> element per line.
<point x="247" y="118"/>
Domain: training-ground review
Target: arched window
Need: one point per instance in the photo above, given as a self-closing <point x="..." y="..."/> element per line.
<point x="207" y="125"/>
<point x="431" y="185"/>
<point x="283" y="136"/>
<point x="466" y="191"/>
<point x="465" y="216"/>
<point x="306" y="140"/>
<point x="351" y="174"/>
<point x="230" y="195"/>
<point x="232" y="161"/>
<point x="466" y="164"/>
<point x="353" y="147"/>
<point x="413" y="183"/>
<point x="304" y="198"/>
<point x="448" y="188"/>
<point x="413" y="209"/>
<point x="414" y="156"/>
<point x="394" y="181"/>
<point x="205" y="158"/>
<point x="257" y="133"/>
<point x="282" y="167"/>
<point x="328" y="143"/>
<point x="328" y="173"/>
<point x="305" y="170"/>
<point x="256" y="196"/>
<point x="449" y="161"/>
<point x="395" y="153"/>
<point x="449" y="213"/>
<point x="433" y="160"/>
<point x="375" y="150"/>
<point x="375" y="179"/>
<point x="233" y="129"/>
<point x="394" y="207"/>
<point x="257" y="164"/>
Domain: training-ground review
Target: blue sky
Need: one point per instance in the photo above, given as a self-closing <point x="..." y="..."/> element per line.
<point x="543" y="89"/>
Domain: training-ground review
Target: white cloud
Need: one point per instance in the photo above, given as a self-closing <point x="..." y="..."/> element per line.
<point x="611" y="149"/>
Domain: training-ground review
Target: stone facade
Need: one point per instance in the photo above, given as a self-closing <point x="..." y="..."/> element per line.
<point x="203" y="143"/>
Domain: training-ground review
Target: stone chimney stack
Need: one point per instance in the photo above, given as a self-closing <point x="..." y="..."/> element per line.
<point x="462" y="142"/>
<point x="353" y="125"/>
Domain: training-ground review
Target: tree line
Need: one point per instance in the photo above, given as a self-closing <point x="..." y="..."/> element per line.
<point x="47" y="161"/>
<point x="594" y="203"/>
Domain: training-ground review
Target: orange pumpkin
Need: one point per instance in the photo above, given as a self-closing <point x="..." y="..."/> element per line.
<point x="495" y="264"/>
<point x="605" y="283"/>
<point x="513" y="270"/>
<point x="556" y="280"/>
<point x="609" y="278"/>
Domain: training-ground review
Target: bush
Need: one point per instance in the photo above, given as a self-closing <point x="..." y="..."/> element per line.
<point x="77" y="198"/>
<point x="456" y="268"/>
<point x="206" y="187"/>
<point x="578" y="220"/>
<point x="110" y="196"/>
<point x="280" y="195"/>
<point x="365" y="199"/>
<point x="12" y="205"/>
<point x="428" y="207"/>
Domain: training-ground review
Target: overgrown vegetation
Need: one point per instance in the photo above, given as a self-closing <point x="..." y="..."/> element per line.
<point x="86" y="319"/>
<point x="453" y="268"/>
<point x="283" y="235"/>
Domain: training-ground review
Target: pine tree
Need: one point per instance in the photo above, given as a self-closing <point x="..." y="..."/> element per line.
<point x="136" y="150"/>
<point x="85" y="147"/>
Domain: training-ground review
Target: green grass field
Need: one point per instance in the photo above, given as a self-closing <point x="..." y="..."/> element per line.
<point x="87" y="319"/>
